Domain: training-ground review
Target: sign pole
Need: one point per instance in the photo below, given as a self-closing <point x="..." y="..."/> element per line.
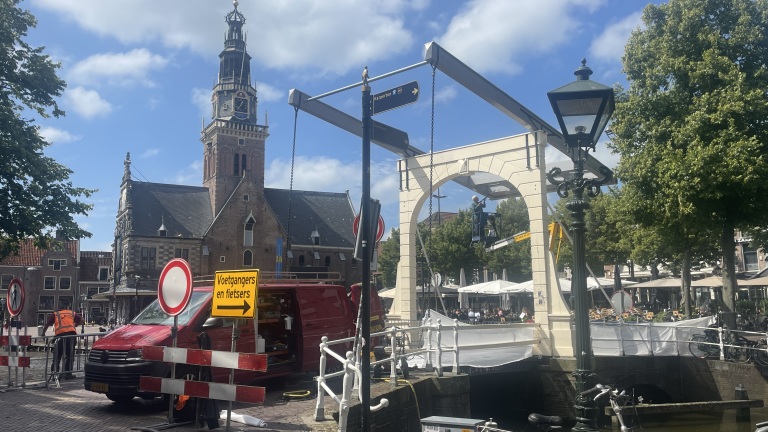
<point x="174" y="333"/>
<point x="365" y="302"/>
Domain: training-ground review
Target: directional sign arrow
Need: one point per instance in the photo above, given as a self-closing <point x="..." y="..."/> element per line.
<point x="395" y="97"/>
<point x="245" y="307"/>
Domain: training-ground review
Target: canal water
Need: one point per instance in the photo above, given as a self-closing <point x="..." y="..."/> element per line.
<point x="510" y="398"/>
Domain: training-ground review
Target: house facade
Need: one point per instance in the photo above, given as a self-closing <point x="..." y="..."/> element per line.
<point x="231" y="221"/>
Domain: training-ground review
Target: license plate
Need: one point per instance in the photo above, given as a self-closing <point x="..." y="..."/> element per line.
<point x="99" y="387"/>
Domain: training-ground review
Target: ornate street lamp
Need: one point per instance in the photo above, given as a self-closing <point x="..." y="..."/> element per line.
<point x="583" y="109"/>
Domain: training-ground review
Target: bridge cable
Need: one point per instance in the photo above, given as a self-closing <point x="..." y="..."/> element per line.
<point x="293" y="163"/>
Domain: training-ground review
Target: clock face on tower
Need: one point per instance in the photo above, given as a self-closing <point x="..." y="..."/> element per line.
<point x="241" y="105"/>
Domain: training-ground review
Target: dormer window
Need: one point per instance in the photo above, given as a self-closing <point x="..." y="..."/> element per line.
<point x="248" y="231"/>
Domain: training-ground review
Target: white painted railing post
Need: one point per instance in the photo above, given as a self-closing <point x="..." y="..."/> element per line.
<point x="721" y="342"/>
<point x="320" y="405"/>
<point x="393" y="358"/>
<point x="650" y="336"/>
<point x="439" y="349"/>
<point x="428" y="364"/>
<point x="346" y="392"/>
<point x="456" y="346"/>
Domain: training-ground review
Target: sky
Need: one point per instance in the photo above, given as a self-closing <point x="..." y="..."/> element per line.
<point x="140" y="74"/>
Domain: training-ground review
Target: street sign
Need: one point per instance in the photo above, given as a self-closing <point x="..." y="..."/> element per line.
<point x="15" y="300"/>
<point x="395" y="98"/>
<point x="388" y="135"/>
<point x="379" y="230"/>
<point x="235" y="293"/>
<point x="175" y="286"/>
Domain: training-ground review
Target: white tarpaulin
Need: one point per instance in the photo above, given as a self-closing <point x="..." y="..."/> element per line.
<point x="482" y="345"/>
<point x="645" y="339"/>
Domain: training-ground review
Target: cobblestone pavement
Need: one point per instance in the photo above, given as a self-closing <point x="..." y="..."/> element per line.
<point x="71" y="408"/>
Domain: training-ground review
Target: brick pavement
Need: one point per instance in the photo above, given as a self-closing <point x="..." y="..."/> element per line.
<point x="71" y="408"/>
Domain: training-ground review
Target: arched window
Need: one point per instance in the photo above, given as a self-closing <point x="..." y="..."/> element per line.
<point x="301" y="260"/>
<point x="327" y="261"/>
<point x="237" y="164"/>
<point x="243" y="163"/>
<point x="247" y="258"/>
<point x="248" y="232"/>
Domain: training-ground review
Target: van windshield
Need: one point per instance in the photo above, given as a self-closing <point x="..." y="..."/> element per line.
<point x="154" y="315"/>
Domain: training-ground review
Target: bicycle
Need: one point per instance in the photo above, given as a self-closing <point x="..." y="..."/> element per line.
<point x="619" y="400"/>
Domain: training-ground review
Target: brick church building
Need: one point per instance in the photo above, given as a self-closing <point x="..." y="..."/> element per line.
<point x="231" y="221"/>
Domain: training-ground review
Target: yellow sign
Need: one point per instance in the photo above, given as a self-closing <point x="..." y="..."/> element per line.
<point x="235" y="293"/>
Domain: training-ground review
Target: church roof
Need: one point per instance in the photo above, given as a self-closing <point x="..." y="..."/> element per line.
<point x="184" y="210"/>
<point x="330" y="213"/>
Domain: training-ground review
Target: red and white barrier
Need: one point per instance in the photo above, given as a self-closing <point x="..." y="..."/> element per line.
<point x="222" y="359"/>
<point x="20" y="342"/>
<point x="200" y="389"/>
<point x="206" y="390"/>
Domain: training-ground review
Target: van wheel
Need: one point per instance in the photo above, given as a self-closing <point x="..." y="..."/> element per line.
<point x="120" y="398"/>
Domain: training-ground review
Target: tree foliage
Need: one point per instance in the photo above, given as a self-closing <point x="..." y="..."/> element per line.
<point x="692" y="129"/>
<point x="36" y="195"/>
<point x="390" y="256"/>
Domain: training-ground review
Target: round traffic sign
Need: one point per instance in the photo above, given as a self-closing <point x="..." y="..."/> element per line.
<point x="379" y="230"/>
<point x="15" y="300"/>
<point x="621" y="301"/>
<point x="174" y="287"/>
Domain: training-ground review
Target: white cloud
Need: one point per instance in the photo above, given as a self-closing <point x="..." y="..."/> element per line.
<point x="511" y="30"/>
<point x="289" y="35"/>
<point x="268" y="93"/>
<point x="446" y="94"/>
<point x="148" y="153"/>
<point x="57" y="136"/>
<point x="191" y="175"/>
<point x="201" y="98"/>
<point x="122" y="69"/>
<point x="87" y="103"/>
<point x="317" y="173"/>
<point x="609" y="45"/>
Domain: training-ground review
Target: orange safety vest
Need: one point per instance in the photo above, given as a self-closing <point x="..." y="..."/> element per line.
<point x="64" y="321"/>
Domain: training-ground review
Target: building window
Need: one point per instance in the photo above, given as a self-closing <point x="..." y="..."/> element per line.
<point x="57" y="264"/>
<point x="46" y="303"/>
<point x="181" y="253"/>
<point x="247" y="258"/>
<point x="241" y="141"/>
<point x="147" y="258"/>
<point x="328" y="262"/>
<point x="243" y="163"/>
<point x="65" y="283"/>
<point x="49" y="283"/>
<point x="236" y="171"/>
<point x="5" y="281"/>
<point x="222" y="259"/>
<point x="103" y="273"/>
<point x="301" y="260"/>
<point x="248" y="232"/>
<point x="245" y="197"/>
<point x="750" y="259"/>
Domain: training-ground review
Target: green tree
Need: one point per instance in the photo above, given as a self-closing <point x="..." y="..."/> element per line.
<point x="450" y="246"/>
<point x="36" y="194"/>
<point x="691" y="129"/>
<point x="389" y="258"/>
<point x="512" y="218"/>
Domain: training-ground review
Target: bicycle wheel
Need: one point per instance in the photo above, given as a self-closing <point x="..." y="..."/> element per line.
<point x="761" y="355"/>
<point x="738" y="354"/>
<point x="697" y="346"/>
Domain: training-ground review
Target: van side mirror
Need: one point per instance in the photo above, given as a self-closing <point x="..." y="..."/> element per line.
<point x="212" y="323"/>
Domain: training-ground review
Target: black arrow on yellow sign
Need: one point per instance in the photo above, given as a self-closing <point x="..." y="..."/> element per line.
<point x="245" y="307"/>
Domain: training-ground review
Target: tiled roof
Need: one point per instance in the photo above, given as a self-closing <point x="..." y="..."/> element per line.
<point x="331" y="213"/>
<point x="29" y="255"/>
<point x="184" y="210"/>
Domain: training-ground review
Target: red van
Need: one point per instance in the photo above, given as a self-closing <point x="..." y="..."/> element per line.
<point x="292" y="318"/>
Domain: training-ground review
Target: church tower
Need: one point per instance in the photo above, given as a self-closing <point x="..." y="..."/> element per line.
<point x="233" y="142"/>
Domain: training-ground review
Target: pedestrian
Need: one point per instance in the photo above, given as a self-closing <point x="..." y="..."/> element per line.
<point x="64" y="322"/>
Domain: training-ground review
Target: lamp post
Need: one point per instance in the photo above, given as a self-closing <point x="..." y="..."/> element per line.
<point x="583" y="109"/>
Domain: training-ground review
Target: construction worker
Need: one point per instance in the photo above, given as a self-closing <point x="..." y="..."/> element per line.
<point x="65" y="324"/>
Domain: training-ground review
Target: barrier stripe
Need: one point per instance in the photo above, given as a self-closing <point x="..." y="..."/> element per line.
<point x="14" y="361"/>
<point x="205" y="390"/>
<point x="15" y="340"/>
<point x="222" y="359"/>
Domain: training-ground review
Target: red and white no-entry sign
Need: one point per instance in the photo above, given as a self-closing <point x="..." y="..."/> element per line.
<point x="379" y="230"/>
<point x="175" y="286"/>
<point x="15" y="299"/>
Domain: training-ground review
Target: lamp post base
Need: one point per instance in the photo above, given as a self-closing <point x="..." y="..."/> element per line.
<point x="585" y="404"/>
